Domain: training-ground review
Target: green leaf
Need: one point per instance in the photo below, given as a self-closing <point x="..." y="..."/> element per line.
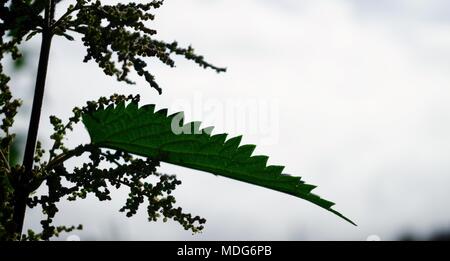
<point x="144" y="132"/>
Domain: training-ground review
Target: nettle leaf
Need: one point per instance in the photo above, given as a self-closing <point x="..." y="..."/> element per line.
<point x="146" y="132"/>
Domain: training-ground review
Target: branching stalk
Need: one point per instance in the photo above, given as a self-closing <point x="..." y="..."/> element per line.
<point x="21" y="190"/>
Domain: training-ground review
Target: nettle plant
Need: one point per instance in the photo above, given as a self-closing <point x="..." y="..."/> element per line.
<point x="130" y="139"/>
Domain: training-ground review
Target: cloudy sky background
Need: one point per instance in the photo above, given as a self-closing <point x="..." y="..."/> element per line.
<point x="357" y="99"/>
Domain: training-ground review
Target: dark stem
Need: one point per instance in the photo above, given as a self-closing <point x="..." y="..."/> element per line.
<point x="21" y="192"/>
<point x="69" y="154"/>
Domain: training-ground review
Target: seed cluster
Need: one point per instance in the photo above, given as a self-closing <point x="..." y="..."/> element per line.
<point x="8" y="110"/>
<point x="118" y="39"/>
<point x="104" y="169"/>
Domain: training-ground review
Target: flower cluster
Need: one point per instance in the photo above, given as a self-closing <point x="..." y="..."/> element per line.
<point x="122" y="169"/>
<point x="118" y="39"/>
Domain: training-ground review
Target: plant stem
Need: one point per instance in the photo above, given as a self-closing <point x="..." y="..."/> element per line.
<point x="21" y="192"/>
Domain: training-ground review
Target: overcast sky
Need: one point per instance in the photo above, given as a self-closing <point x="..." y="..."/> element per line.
<point x="351" y="95"/>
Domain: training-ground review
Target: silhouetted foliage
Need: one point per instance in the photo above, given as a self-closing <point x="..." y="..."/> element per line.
<point x="118" y="38"/>
<point x="437" y="235"/>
